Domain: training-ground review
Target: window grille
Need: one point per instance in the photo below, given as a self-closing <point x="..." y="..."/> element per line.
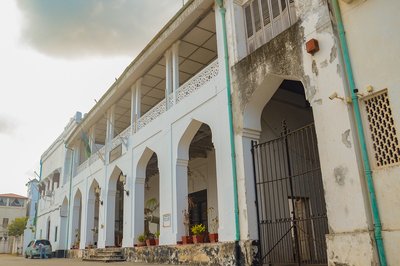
<point x="265" y="19"/>
<point x="385" y="143"/>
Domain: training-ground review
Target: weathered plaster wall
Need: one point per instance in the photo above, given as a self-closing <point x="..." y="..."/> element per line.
<point x="371" y="31"/>
<point x="256" y="77"/>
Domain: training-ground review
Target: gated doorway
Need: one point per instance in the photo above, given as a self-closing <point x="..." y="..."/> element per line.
<point x="291" y="211"/>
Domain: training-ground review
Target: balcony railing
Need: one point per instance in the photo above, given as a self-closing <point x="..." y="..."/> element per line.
<point x="189" y="87"/>
<point x="192" y="85"/>
<point x="196" y="82"/>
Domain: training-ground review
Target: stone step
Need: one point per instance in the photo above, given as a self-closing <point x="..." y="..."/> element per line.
<point x="104" y="259"/>
<point x="108" y="253"/>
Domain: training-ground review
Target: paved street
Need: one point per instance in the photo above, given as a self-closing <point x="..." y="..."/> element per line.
<point x="8" y="260"/>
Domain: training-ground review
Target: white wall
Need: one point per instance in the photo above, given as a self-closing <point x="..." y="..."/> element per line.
<point x="371" y="31"/>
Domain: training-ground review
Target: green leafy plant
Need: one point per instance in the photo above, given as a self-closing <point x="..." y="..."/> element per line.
<point x="17" y="227"/>
<point x="142" y="238"/>
<point x="157" y="234"/>
<point x="198" y="229"/>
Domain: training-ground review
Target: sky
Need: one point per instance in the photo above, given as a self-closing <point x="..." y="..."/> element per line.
<point x="56" y="58"/>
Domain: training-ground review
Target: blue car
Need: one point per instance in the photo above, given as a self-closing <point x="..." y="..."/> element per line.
<point x="32" y="250"/>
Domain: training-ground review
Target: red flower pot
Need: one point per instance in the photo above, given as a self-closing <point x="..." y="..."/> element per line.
<point x="198" y="239"/>
<point x="150" y="242"/>
<point x="213" y="237"/>
<point x="186" y="240"/>
<point x="157" y="241"/>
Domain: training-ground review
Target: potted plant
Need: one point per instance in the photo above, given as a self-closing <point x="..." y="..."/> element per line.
<point x="213" y="234"/>
<point x="150" y="240"/>
<point x="157" y="237"/>
<point x="186" y="239"/>
<point x="198" y="231"/>
<point x="141" y="240"/>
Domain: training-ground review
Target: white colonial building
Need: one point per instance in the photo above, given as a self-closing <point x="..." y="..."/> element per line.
<point x="249" y="116"/>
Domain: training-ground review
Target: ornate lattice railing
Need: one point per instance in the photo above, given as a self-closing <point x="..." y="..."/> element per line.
<point x="152" y="114"/>
<point x="196" y="82"/>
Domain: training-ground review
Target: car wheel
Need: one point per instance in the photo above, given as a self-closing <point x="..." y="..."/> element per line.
<point x="26" y="256"/>
<point x="31" y="255"/>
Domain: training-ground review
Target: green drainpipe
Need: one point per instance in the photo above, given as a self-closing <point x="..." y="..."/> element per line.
<point x="231" y="133"/>
<point x="69" y="200"/>
<point x="361" y="136"/>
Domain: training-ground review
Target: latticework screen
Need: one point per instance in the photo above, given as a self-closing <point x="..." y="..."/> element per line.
<point x="385" y="142"/>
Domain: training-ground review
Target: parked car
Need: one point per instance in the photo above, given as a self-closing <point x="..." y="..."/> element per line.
<point x="33" y="248"/>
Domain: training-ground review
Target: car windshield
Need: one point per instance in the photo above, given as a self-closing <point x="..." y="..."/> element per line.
<point x="43" y="242"/>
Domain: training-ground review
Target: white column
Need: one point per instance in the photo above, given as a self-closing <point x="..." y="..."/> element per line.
<point x="77" y="151"/>
<point x="133" y="108"/>
<point x="92" y="139"/>
<point x="138" y="98"/>
<point x="247" y="194"/>
<point x="138" y="208"/>
<point x="109" y="132"/>
<point x="168" y="77"/>
<point x="175" y="69"/>
<point x="181" y="188"/>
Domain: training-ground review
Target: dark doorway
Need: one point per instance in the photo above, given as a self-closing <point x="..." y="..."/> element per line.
<point x="198" y="208"/>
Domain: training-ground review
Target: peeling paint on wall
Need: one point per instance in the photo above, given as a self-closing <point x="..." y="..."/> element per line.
<point x="333" y="54"/>
<point x="345" y="138"/>
<point x="340" y="174"/>
<point x="314" y="67"/>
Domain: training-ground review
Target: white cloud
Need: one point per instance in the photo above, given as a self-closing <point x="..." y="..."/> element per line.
<point x="75" y="28"/>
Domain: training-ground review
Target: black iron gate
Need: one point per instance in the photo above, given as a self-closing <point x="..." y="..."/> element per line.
<point x="291" y="209"/>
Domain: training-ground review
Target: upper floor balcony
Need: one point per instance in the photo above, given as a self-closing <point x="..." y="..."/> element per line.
<point x="162" y="79"/>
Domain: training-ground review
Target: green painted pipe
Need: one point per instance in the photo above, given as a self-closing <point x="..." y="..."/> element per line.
<point x="231" y="133"/>
<point x="361" y="136"/>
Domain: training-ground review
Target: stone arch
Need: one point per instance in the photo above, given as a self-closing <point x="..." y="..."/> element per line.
<point x="196" y="160"/>
<point x="76" y="229"/>
<point x="63" y="223"/>
<point x="115" y="207"/>
<point x="142" y="163"/>
<point x="92" y="214"/>
<point x="147" y="194"/>
<point x="257" y="101"/>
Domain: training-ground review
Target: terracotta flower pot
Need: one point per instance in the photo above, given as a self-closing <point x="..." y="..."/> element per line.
<point x="213" y="237"/>
<point x="186" y="240"/>
<point x="150" y="242"/>
<point x="157" y="241"/>
<point x="198" y="239"/>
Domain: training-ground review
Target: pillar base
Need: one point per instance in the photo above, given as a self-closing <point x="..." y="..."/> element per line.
<point x="351" y="249"/>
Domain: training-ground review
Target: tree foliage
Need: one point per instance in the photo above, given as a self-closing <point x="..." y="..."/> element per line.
<point x="17" y="227"/>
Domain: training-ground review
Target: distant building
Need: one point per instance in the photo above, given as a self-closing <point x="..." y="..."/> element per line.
<point x="11" y="206"/>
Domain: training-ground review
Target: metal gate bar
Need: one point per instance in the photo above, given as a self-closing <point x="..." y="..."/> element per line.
<point x="291" y="209"/>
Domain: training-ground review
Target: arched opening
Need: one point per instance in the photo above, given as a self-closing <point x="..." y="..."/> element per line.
<point x="76" y="220"/>
<point x="119" y="211"/>
<point x="196" y="167"/>
<point x="152" y="197"/>
<point x="48" y="229"/>
<point x="292" y="220"/>
<point x="115" y="208"/>
<point x="63" y="224"/>
<point x="92" y="220"/>
<point x="147" y="195"/>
